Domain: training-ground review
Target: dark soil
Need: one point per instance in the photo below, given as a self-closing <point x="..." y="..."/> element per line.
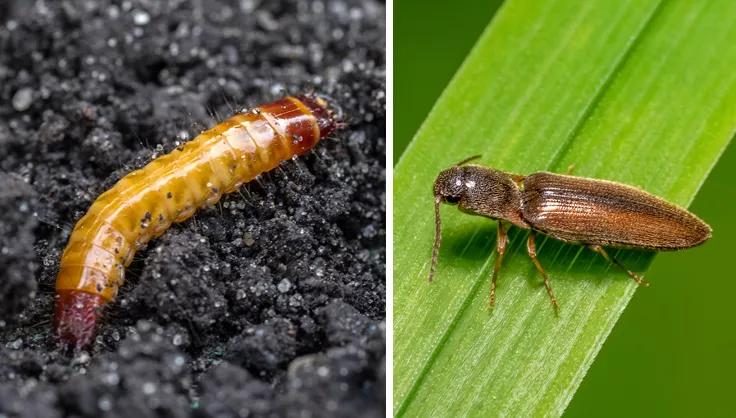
<point x="272" y="303"/>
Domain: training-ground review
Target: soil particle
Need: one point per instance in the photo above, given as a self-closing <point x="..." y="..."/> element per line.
<point x="19" y="206"/>
<point x="271" y="303"/>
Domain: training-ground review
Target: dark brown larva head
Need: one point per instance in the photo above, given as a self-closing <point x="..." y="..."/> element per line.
<point x="325" y="111"/>
<point x="75" y="318"/>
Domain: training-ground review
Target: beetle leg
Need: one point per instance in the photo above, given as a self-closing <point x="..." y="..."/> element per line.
<point x="531" y="248"/>
<point x="600" y="250"/>
<point x="501" y="241"/>
<point x="570" y="169"/>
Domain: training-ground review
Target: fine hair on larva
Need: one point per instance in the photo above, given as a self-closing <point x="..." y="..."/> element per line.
<point x="144" y="203"/>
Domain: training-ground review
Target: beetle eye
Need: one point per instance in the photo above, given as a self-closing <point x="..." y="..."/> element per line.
<point x="452" y="199"/>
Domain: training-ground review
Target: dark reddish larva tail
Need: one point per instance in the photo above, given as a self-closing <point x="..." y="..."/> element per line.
<point x="143" y="204"/>
<point x="75" y="317"/>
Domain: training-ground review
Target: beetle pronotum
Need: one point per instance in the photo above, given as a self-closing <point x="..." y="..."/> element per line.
<point x="144" y="203"/>
<point x="591" y="212"/>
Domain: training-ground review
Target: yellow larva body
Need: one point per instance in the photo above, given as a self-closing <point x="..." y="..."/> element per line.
<point x="144" y="203"/>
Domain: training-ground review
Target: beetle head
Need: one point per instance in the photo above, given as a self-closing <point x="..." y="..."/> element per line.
<point x="449" y="186"/>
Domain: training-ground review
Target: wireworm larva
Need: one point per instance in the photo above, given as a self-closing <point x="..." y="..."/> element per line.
<point x="144" y="203"/>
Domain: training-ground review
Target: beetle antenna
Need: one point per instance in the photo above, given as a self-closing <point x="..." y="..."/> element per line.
<point x="469" y="159"/>
<point x="437" y="236"/>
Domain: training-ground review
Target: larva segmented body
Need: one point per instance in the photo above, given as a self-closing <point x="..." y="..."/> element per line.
<point x="144" y="203"/>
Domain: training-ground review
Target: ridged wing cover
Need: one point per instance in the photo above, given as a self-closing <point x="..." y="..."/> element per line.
<point x="602" y="212"/>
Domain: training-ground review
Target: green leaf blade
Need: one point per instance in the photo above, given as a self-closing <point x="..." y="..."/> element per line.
<point x="634" y="92"/>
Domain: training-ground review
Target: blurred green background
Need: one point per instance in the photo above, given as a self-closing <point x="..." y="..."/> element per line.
<point x="671" y="352"/>
<point x="431" y="39"/>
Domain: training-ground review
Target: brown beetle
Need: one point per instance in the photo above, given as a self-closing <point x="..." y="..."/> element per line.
<point x="579" y="210"/>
